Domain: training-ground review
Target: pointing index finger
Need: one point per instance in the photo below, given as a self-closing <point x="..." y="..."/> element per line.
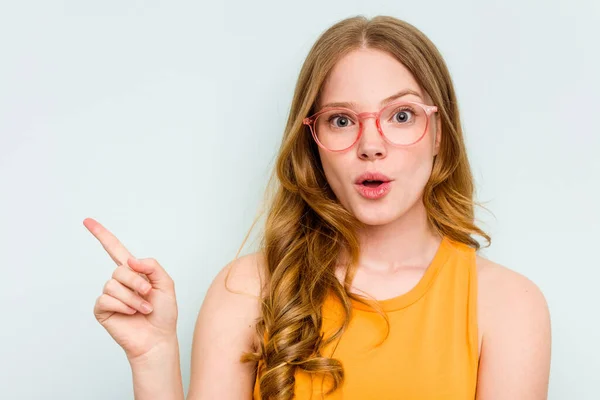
<point x="111" y="244"/>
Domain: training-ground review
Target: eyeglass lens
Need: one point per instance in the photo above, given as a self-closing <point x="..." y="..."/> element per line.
<point x="401" y="123"/>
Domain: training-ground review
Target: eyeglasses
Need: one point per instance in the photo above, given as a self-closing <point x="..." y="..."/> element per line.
<point x="401" y="123"/>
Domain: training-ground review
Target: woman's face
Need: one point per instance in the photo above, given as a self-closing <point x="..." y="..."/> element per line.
<point x="366" y="77"/>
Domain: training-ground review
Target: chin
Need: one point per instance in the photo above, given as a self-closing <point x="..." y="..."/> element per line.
<point x="372" y="217"/>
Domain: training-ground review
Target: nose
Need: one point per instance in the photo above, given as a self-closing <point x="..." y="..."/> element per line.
<point x="371" y="145"/>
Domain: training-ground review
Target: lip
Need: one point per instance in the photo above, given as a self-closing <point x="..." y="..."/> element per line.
<point x="372" y="176"/>
<point x="373" y="193"/>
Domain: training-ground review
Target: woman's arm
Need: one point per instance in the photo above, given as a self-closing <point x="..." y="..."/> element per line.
<point x="224" y="330"/>
<point x="157" y="375"/>
<point x="515" y="353"/>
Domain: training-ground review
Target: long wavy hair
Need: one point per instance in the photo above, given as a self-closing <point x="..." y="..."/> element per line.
<point x="306" y="227"/>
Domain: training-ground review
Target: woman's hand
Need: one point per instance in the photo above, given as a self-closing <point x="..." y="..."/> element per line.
<point x="135" y="285"/>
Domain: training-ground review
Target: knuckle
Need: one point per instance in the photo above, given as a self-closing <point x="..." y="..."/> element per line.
<point x="122" y="274"/>
<point x="111" y="286"/>
<point x="116" y="272"/>
<point x="153" y="262"/>
<point x="101" y="301"/>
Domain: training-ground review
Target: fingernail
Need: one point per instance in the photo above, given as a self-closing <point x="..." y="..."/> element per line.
<point x="146" y="307"/>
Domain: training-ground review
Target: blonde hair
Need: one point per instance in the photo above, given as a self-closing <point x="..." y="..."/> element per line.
<point x="306" y="228"/>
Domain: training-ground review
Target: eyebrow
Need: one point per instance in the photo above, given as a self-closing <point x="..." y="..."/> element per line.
<point x="352" y="105"/>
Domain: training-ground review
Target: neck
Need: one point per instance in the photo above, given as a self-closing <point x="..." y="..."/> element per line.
<point x="409" y="241"/>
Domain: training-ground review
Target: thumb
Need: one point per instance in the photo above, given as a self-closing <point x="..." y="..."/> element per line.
<point x="157" y="276"/>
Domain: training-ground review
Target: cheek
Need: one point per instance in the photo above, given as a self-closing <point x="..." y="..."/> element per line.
<point x="331" y="168"/>
<point x="335" y="167"/>
<point x="413" y="170"/>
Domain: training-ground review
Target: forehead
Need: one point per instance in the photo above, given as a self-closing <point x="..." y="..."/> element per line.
<point x="366" y="77"/>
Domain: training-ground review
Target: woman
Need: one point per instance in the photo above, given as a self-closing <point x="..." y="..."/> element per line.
<point x="368" y="283"/>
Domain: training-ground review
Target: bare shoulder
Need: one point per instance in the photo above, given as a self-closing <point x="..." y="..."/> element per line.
<point x="505" y="289"/>
<point x="234" y="294"/>
<point x="515" y="332"/>
<point x="245" y="275"/>
<point x="225" y="330"/>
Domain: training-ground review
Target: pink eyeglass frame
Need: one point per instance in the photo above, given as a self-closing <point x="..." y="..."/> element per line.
<point x="310" y="121"/>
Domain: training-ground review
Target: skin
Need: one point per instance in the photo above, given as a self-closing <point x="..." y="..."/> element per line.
<point x="148" y="336"/>
<point x="514" y="323"/>
<point x="398" y="244"/>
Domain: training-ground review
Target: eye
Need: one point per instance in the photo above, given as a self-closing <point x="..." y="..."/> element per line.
<point x="403" y="115"/>
<point x="342" y="119"/>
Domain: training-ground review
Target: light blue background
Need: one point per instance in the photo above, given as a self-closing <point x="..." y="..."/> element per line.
<point x="162" y="119"/>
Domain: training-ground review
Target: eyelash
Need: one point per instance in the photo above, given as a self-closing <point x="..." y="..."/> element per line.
<point x="404" y="108"/>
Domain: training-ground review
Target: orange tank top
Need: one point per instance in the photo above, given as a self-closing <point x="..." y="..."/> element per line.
<point x="432" y="348"/>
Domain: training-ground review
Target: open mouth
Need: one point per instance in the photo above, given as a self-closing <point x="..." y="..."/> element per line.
<point x="371" y="184"/>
